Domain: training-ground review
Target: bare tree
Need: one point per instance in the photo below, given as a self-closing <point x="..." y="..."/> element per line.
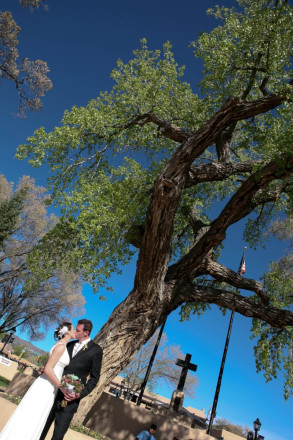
<point x="231" y="427"/>
<point x="31" y="297"/>
<point x="163" y="369"/>
<point x="29" y="77"/>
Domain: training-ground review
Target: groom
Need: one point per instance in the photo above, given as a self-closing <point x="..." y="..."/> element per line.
<point x="85" y="358"/>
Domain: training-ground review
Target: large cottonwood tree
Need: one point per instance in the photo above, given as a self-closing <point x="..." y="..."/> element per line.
<point x="154" y="165"/>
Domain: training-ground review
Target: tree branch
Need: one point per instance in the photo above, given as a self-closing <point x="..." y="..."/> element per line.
<point x="238" y="207"/>
<point x="238" y="303"/>
<point x="264" y="196"/>
<point x="168" y="129"/>
<point x="217" y="171"/>
<point x="235" y="109"/>
<point x="222" y="273"/>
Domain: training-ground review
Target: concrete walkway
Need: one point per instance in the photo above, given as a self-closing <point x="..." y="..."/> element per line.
<point x="7" y="408"/>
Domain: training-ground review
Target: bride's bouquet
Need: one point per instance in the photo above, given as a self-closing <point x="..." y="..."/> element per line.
<point x="73" y="384"/>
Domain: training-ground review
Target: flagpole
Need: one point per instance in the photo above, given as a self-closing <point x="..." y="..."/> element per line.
<point x="241" y="271"/>
<point x="213" y="413"/>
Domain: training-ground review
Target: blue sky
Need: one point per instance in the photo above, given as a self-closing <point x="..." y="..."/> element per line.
<point x="81" y="41"/>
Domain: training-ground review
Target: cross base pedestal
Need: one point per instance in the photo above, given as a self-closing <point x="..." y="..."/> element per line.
<point x="176" y="401"/>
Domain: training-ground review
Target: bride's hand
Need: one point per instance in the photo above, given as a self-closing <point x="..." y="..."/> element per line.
<point x="69" y="396"/>
<point x="72" y="396"/>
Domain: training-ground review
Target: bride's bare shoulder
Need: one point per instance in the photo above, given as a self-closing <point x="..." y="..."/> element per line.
<point x="58" y="347"/>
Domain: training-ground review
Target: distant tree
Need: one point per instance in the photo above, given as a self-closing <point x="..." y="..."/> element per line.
<point x="30" y="77"/>
<point x="163" y="369"/>
<point x="42" y="359"/>
<point x="31" y="296"/>
<point x="231" y="427"/>
<point x="18" y="349"/>
<point x="10" y="210"/>
<point x="23" y="353"/>
<point x="31" y="3"/>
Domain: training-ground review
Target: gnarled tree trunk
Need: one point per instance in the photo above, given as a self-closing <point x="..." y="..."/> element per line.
<point x="160" y="288"/>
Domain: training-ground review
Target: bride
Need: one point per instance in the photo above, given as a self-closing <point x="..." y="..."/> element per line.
<point x="28" y="420"/>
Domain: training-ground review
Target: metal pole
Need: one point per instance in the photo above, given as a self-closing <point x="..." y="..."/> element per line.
<point x="241" y="271"/>
<point x="213" y="413"/>
<point x="143" y="385"/>
<point x="6" y="342"/>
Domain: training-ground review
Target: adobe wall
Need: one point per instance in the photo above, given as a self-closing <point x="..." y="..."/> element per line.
<point x="20" y="384"/>
<point x="123" y="420"/>
<point x="8" y="372"/>
<point x="226" y="435"/>
<point x="119" y="419"/>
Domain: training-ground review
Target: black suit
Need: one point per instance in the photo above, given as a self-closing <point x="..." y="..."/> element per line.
<point x="87" y="361"/>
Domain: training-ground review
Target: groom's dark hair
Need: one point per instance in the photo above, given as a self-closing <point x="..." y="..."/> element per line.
<point x="87" y="325"/>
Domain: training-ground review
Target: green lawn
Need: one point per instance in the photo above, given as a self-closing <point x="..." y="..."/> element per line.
<point x="4" y="382"/>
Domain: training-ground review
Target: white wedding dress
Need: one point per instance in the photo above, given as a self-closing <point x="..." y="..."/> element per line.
<point x="29" y="418"/>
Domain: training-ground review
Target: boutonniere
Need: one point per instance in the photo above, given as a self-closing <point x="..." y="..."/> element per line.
<point x="84" y="347"/>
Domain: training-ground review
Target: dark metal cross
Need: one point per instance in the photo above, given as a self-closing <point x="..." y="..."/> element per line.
<point x="186" y="365"/>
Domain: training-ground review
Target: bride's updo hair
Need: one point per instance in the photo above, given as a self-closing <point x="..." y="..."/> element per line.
<point x="61" y="330"/>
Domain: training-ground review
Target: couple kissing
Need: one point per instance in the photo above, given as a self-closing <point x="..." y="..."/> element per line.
<point x="43" y="402"/>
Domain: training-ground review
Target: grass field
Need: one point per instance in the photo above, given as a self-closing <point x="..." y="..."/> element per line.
<point x="4" y="382"/>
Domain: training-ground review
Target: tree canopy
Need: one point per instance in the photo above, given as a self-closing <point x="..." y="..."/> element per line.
<point x="153" y="168"/>
<point x="31" y="296"/>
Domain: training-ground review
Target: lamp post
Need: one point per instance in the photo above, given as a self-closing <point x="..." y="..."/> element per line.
<point x="8" y="338"/>
<point x="256" y="426"/>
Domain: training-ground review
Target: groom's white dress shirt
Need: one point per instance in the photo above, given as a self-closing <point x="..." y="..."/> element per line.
<point x="79" y="345"/>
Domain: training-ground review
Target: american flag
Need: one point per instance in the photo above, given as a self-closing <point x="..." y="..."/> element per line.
<point x="241" y="270"/>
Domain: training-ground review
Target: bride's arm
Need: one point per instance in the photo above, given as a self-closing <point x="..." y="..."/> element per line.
<point x="52" y="361"/>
